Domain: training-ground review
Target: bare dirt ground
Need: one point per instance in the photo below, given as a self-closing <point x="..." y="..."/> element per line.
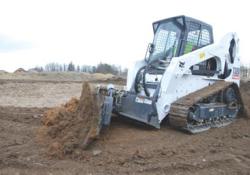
<point x="126" y="148"/>
<point x="55" y="76"/>
<point x="33" y="93"/>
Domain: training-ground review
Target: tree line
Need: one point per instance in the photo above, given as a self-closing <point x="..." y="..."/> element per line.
<point x="104" y="68"/>
<point x="71" y="67"/>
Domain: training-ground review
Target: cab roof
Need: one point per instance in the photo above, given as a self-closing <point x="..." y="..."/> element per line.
<point x="185" y="20"/>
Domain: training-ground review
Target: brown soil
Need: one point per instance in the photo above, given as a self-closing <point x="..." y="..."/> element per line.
<point x="30" y="93"/>
<point x="126" y="147"/>
<point x="21" y="75"/>
<point x="69" y="129"/>
<point x="245" y="95"/>
<point x="19" y="70"/>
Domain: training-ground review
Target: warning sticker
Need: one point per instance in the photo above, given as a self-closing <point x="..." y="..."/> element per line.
<point x="202" y="55"/>
<point x="143" y="100"/>
<point x="236" y="73"/>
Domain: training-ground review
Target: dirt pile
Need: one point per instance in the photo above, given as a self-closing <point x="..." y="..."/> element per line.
<point x="72" y="127"/>
<point x="3" y="72"/>
<point x="245" y="94"/>
<point x="20" y="70"/>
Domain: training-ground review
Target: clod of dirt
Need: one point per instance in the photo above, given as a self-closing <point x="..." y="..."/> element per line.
<point x="72" y="126"/>
<point x="96" y="152"/>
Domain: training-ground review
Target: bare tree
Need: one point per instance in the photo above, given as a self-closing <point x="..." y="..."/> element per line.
<point x="78" y="68"/>
<point x="106" y="68"/>
<point x="100" y="68"/>
<point x="71" y="67"/>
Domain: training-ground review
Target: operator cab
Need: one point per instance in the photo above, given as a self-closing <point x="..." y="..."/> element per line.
<point x="176" y="36"/>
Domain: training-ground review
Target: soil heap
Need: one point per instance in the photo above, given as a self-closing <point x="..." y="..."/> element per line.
<point x="245" y="94"/>
<point x="20" y="70"/>
<point x="72" y="127"/>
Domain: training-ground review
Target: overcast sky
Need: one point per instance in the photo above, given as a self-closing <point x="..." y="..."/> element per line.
<point x="36" y="32"/>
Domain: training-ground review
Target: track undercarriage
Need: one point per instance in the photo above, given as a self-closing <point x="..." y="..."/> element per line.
<point x="211" y="107"/>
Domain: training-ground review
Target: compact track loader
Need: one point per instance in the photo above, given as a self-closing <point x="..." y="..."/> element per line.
<point x="185" y="77"/>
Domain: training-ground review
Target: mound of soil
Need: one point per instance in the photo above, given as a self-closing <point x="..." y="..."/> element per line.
<point x="19" y="70"/>
<point x="3" y="72"/>
<point x="72" y="127"/>
<point x="245" y="94"/>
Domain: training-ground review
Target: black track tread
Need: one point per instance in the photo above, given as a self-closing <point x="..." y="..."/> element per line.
<point x="179" y="110"/>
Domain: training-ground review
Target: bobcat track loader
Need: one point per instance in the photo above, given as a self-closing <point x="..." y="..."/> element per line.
<point x="185" y="77"/>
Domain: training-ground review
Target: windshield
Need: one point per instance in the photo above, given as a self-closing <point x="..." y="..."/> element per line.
<point x="165" y="41"/>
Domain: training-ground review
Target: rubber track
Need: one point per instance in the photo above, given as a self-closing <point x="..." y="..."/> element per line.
<point x="179" y="110"/>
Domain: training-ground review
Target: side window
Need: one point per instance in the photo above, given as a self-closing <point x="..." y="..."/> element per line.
<point x="198" y="36"/>
<point x="204" y="38"/>
<point x="192" y="37"/>
<point x="192" y="41"/>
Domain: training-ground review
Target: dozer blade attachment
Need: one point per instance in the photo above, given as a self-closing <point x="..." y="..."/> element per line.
<point x="106" y="112"/>
<point x="102" y="105"/>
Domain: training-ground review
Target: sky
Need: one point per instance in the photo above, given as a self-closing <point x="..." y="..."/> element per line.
<point x="37" y="32"/>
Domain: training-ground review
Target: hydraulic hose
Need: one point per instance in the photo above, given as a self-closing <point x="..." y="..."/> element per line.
<point x="144" y="82"/>
<point x="137" y="79"/>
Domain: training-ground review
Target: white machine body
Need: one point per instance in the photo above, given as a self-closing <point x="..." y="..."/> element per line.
<point x="182" y="59"/>
<point x="177" y="81"/>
